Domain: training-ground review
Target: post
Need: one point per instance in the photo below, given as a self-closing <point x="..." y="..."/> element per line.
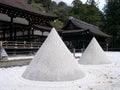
<point x="24" y="44"/>
<point x="0" y="50"/>
<point x="32" y="33"/>
<point x="29" y="30"/>
<point x="16" y="45"/>
<point x="107" y="46"/>
<point x="74" y="52"/>
<point x="83" y="45"/>
<point x="31" y="45"/>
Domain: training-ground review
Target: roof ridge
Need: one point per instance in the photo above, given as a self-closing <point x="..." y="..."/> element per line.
<point x="80" y="21"/>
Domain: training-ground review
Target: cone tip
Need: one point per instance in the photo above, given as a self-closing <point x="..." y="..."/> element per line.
<point x="53" y="29"/>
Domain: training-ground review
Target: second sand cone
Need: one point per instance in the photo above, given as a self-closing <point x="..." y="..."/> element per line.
<point x="94" y="55"/>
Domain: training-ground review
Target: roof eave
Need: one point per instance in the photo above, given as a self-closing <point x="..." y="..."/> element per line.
<point x="29" y="12"/>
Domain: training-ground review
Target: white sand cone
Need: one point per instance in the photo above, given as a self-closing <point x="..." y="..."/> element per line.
<point x="53" y="62"/>
<point x="94" y="55"/>
<point x="3" y="53"/>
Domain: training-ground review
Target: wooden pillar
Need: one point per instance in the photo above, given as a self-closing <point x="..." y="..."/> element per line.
<point x="29" y="34"/>
<point x="23" y="32"/>
<point x="11" y="28"/>
<point x="14" y="34"/>
<point x="42" y="33"/>
<point x="32" y="33"/>
<point x="4" y="34"/>
<point x="29" y="29"/>
<point x="42" y="38"/>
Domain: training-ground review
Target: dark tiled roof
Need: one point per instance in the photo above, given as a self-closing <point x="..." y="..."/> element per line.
<point x="100" y="33"/>
<point x="82" y="24"/>
<point x="85" y="26"/>
<point x="46" y="28"/>
<point x="73" y="31"/>
<point x="22" y="4"/>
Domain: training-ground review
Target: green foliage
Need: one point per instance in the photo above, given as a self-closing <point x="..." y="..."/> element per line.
<point x="57" y="24"/>
<point x="62" y="10"/>
<point x="112" y="21"/>
<point x="76" y="3"/>
<point x="29" y="1"/>
<point x="37" y="1"/>
<point x="45" y="3"/>
<point x="88" y="12"/>
<point x="38" y="5"/>
<point x="92" y="2"/>
<point x="41" y="4"/>
<point x="53" y="6"/>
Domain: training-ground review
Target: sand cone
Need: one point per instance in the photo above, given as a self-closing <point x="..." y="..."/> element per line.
<point x="94" y="54"/>
<point x="53" y="62"/>
<point x="3" y="54"/>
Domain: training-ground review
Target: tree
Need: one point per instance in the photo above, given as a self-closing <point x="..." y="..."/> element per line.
<point x="33" y="3"/>
<point x="76" y="3"/>
<point x="77" y="9"/>
<point x="39" y="6"/>
<point x="46" y="4"/>
<point x="62" y="11"/>
<point x="29" y="1"/>
<point x="93" y="14"/>
<point x="53" y="6"/>
<point x="112" y="21"/>
<point x="92" y="2"/>
<point x="88" y="12"/>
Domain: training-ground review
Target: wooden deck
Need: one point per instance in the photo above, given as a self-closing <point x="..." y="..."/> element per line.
<point x="15" y="47"/>
<point x="21" y="45"/>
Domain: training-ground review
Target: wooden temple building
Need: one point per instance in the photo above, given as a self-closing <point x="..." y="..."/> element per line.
<point x="24" y="28"/>
<point x="77" y="34"/>
<point x="22" y="24"/>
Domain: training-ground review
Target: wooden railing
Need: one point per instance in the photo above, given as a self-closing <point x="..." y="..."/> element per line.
<point x="21" y="45"/>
